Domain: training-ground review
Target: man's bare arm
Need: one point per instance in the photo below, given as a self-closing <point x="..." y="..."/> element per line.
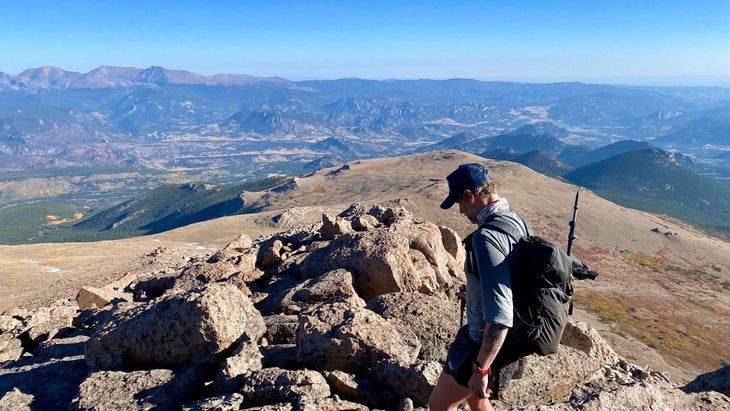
<point x="492" y="340"/>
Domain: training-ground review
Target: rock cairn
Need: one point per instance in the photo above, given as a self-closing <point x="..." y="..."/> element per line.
<point x="354" y="313"/>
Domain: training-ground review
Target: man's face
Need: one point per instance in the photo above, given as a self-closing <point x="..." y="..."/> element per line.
<point x="468" y="207"/>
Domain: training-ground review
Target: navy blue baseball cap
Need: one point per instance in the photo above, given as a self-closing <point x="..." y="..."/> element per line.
<point x="466" y="177"/>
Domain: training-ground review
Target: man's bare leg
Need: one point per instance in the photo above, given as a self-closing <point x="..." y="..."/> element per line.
<point x="448" y="394"/>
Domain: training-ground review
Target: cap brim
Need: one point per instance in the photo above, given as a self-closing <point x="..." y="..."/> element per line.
<point x="449" y="202"/>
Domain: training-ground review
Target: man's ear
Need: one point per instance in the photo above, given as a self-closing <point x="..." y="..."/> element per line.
<point x="468" y="195"/>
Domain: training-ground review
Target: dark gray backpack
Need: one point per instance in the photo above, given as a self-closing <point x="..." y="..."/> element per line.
<point x="541" y="289"/>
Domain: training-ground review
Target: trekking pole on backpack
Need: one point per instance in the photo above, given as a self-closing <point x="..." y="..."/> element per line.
<point x="571" y="239"/>
<point x="571" y="235"/>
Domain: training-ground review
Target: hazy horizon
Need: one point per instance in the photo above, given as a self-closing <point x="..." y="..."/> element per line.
<point x="669" y="43"/>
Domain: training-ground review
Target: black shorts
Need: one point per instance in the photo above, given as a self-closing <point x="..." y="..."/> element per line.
<point x="463" y="352"/>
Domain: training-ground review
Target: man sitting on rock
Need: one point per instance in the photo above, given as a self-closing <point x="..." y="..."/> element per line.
<point x="483" y="345"/>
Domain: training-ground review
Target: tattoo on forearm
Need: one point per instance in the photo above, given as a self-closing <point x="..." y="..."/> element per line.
<point x="495" y="334"/>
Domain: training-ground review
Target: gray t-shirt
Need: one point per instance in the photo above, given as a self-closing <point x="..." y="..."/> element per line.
<point x="489" y="295"/>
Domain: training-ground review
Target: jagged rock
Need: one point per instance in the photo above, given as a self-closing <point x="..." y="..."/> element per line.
<point x="352" y="386"/>
<point x="47" y="322"/>
<point x="233" y="261"/>
<point x="295" y="296"/>
<point x="238" y="255"/>
<point x="9" y="324"/>
<point x="414" y="381"/>
<point x="343" y="383"/>
<point x="16" y="312"/>
<point x="550" y="378"/>
<point x="228" y="402"/>
<point x="10" y="348"/>
<point x="334" y="226"/>
<point x="426" y="238"/>
<point x="273" y="254"/>
<point x="400" y="255"/>
<point x="452" y="244"/>
<point x="200" y="274"/>
<point x="582" y="355"/>
<point x="718" y="380"/>
<point x="583" y="337"/>
<point x="245" y="359"/>
<point x="71" y="346"/>
<point x="391" y="215"/>
<point x="16" y="400"/>
<point x="434" y="321"/>
<point x="123" y="283"/>
<point x="336" y="336"/>
<point x="272" y="385"/>
<point x="357" y="209"/>
<point x="364" y="223"/>
<point x="241" y="244"/>
<point x="157" y="389"/>
<point x="243" y="278"/>
<point x="174" y="331"/>
<point x="92" y="297"/>
<point x="301" y="217"/>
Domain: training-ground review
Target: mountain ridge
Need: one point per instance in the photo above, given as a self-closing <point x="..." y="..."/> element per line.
<point x="152" y="114"/>
<point x="48" y="77"/>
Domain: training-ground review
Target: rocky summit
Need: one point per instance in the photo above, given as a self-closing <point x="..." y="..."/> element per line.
<point x="353" y="313"/>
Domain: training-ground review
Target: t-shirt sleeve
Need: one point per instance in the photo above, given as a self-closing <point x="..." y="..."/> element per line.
<point x="495" y="278"/>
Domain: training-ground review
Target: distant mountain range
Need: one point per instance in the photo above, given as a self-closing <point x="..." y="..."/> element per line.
<point x="117" y="123"/>
<point x="174" y="118"/>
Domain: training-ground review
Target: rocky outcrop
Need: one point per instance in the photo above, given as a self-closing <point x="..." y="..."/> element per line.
<point x="353" y="314"/>
<point x="175" y="331"/>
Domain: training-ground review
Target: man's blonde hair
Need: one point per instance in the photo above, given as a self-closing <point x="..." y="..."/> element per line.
<point x="486" y="188"/>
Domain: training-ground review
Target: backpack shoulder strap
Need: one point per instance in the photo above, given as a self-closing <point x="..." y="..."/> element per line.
<point x="506" y="228"/>
<point x="502" y="227"/>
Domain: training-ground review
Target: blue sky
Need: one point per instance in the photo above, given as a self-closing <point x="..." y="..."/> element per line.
<point x="631" y="42"/>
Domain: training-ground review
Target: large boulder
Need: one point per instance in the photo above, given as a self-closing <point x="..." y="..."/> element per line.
<point x="380" y="262"/>
<point x="582" y="355"/>
<point x="177" y="330"/>
<point x="141" y="390"/>
<point x="278" y="385"/>
<point x="414" y="381"/>
<point x="234" y="369"/>
<point x="434" y="321"/>
<point x="391" y="251"/>
<point x="337" y="336"/>
<point x="47" y="322"/>
<point x="289" y="295"/>
<point x="389" y="259"/>
<point x="549" y="378"/>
